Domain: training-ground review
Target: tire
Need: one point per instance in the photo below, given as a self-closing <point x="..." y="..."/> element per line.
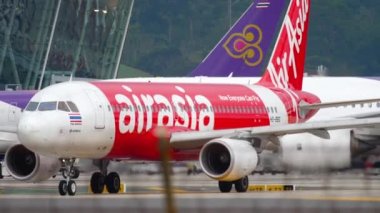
<point x="62" y="187"/>
<point x="76" y="173"/>
<point x="71" y="188"/>
<point x="241" y="185"/>
<point x="225" y="187"/>
<point x="97" y="183"/>
<point x="113" y="182"/>
<point x="64" y="175"/>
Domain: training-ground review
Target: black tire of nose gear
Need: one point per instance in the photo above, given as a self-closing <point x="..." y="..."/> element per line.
<point x="62" y="187"/>
<point x="71" y="188"/>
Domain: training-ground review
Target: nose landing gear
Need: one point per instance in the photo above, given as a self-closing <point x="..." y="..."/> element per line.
<point x="68" y="186"/>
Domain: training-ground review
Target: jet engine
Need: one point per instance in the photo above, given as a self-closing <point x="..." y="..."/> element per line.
<point x="226" y="159"/>
<point x="308" y="152"/>
<point x="25" y="165"/>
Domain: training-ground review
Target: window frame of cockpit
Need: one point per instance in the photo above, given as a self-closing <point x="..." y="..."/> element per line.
<point x="72" y="106"/>
<point x="47" y="106"/>
<point x="27" y="108"/>
<point x="63" y="106"/>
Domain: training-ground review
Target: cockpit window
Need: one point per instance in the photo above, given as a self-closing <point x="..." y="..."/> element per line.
<point x="63" y="107"/>
<point x="72" y="106"/>
<point x="32" y="106"/>
<point x="47" y="106"/>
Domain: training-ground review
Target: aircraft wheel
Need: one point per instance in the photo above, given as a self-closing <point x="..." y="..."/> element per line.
<point x="113" y="182"/>
<point x="62" y="187"/>
<point x="76" y="173"/>
<point x="97" y="183"/>
<point x="241" y="185"/>
<point x="225" y="186"/>
<point x="71" y="188"/>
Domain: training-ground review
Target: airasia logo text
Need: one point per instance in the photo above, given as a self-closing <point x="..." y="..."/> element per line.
<point x="287" y="58"/>
<point x="178" y="110"/>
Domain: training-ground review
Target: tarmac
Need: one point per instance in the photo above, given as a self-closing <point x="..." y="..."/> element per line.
<point x="340" y="192"/>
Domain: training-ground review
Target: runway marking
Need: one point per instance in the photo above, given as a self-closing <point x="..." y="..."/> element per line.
<point x="175" y="190"/>
<point x="348" y="199"/>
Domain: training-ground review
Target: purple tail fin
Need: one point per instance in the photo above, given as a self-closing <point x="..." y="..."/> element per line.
<point x="242" y="51"/>
<point x="17" y="98"/>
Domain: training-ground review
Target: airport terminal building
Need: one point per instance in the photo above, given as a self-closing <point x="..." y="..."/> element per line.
<point x="59" y="38"/>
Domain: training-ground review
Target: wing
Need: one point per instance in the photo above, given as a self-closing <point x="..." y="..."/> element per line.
<point x="195" y="139"/>
<point x="307" y="106"/>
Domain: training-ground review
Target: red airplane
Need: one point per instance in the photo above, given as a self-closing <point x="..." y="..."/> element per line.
<point x="224" y="125"/>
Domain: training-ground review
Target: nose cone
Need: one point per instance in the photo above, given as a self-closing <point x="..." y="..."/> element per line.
<point x="34" y="133"/>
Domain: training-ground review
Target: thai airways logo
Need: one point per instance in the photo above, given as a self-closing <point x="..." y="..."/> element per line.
<point x="246" y="45"/>
<point x="75" y="118"/>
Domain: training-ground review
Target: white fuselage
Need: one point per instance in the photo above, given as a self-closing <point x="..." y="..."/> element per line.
<point x="9" y="117"/>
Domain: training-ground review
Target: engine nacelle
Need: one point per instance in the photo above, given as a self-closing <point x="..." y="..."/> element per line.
<point x="308" y="152"/>
<point x="25" y="165"/>
<point x="228" y="159"/>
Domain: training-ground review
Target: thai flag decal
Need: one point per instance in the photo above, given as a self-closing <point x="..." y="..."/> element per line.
<point x="75" y="118"/>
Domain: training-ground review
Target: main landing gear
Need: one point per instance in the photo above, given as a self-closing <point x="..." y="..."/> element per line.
<point x="68" y="186"/>
<point x="241" y="185"/>
<point x="100" y="179"/>
<point x="111" y="181"/>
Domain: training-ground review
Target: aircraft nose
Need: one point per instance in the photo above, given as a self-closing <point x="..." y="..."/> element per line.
<point x="32" y="133"/>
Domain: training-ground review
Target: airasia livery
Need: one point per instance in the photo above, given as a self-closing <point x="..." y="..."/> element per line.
<point x="136" y="110"/>
<point x="225" y="126"/>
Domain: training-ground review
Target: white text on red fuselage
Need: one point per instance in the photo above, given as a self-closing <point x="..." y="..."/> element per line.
<point x="172" y="111"/>
<point x="294" y="33"/>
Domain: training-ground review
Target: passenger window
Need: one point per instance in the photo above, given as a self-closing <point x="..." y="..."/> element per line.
<point x="32" y="106"/>
<point x="63" y="107"/>
<point x="72" y="106"/>
<point x="47" y="106"/>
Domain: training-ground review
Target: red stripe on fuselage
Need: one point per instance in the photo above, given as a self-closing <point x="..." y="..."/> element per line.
<point x="232" y="106"/>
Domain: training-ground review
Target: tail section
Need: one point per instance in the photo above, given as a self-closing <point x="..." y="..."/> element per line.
<point x="242" y="51"/>
<point x="286" y="65"/>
